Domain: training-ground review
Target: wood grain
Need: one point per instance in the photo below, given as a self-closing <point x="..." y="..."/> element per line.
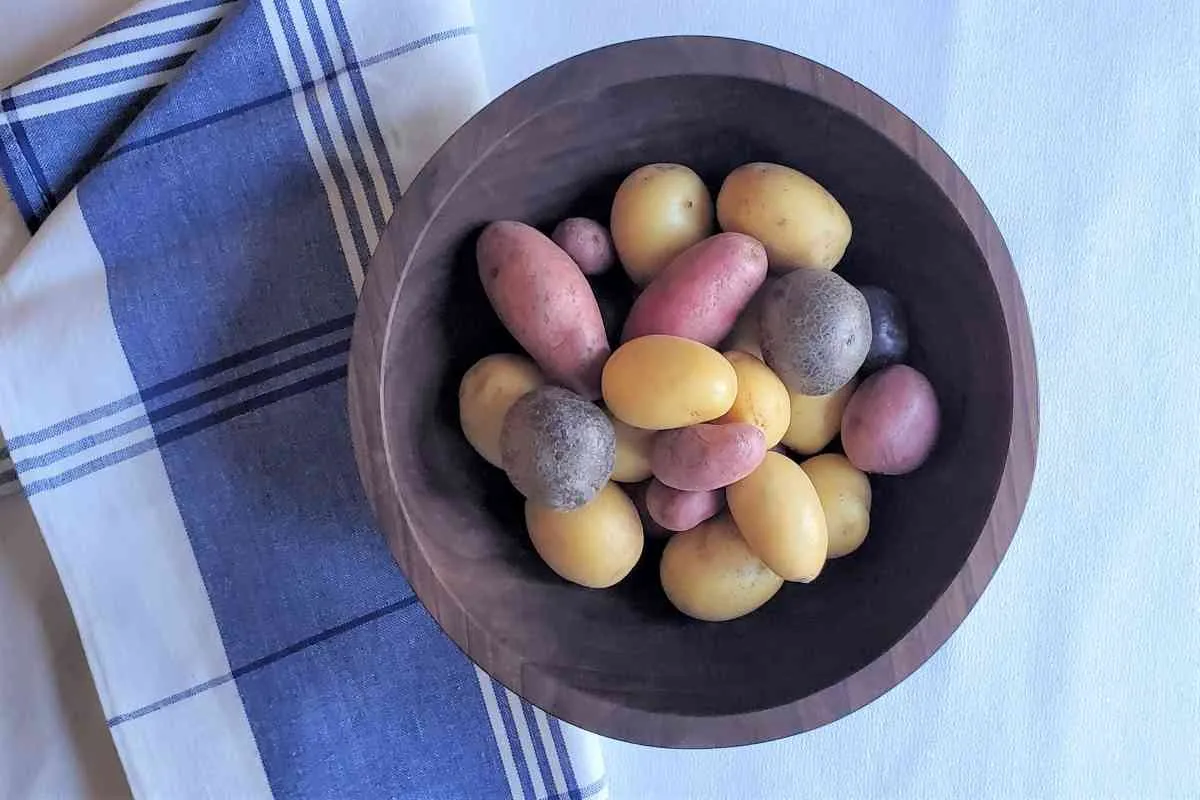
<point x="622" y="662"/>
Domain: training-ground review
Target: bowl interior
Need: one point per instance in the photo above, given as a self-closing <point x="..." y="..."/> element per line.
<point x="627" y="645"/>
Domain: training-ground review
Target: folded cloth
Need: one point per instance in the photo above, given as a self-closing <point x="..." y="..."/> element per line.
<point x="208" y="180"/>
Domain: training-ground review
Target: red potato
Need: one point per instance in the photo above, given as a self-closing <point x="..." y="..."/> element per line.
<point x="891" y="423"/>
<point x="677" y="510"/>
<point x="545" y="302"/>
<point x="587" y="242"/>
<point x="703" y="457"/>
<point x="637" y="493"/>
<point x="700" y="294"/>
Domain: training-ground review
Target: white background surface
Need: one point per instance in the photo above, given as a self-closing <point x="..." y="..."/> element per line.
<point x="1078" y="674"/>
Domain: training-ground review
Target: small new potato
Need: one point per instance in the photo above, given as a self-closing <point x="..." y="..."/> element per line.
<point x="889" y="329"/>
<point x="706" y="456"/>
<point x="700" y="294"/>
<point x="662" y="382"/>
<point x="816" y="419"/>
<point x="762" y="399"/>
<point x="845" y="494"/>
<point x="557" y="448"/>
<point x="777" y="509"/>
<point x="816" y="330"/>
<point x="487" y="392"/>
<point x="891" y="423"/>
<point x="587" y="242"/>
<point x="746" y="335"/>
<point x="633" y="452"/>
<point x="595" y="545"/>
<point x="801" y="224"/>
<point x="545" y="302"/>
<point x="659" y="211"/>
<point x="711" y="574"/>
<point x="677" y="510"/>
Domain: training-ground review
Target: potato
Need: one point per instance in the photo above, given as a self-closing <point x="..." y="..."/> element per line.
<point x="487" y="391"/>
<point x="595" y="545"/>
<point x="711" y="574"/>
<point x="705" y="456"/>
<point x="557" y="448"/>
<point x="637" y="493"/>
<point x="816" y="330"/>
<point x="661" y="382"/>
<point x="889" y="329"/>
<point x="746" y="335"/>
<point x="700" y="294"/>
<point x="677" y="510"/>
<point x="800" y="223"/>
<point x="845" y="494"/>
<point x="891" y="422"/>
<point x="815" y="420"/>
<point x="659" y="211"/>
<point x="762" y="399"/>
<point x="633" y="452"/>
<point x="587" y="243"/>
<point x="779" y="513"/>
<point x="545" y="302"/>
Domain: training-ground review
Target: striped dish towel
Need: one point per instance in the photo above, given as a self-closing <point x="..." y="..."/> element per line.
<point x="207" y="180"/>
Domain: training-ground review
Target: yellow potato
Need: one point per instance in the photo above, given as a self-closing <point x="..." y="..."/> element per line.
<point x="662" y="382"/>
<point x="799" y="222"/>
<point x="633" y="452"/>
<point x="710" y="573"/>
<point x="779" y="513"/>
<point x="746" y="335"/>
<point x="762" y="399"/>
<point x="845" y="494"/>
<point x="659" y="211"/>
<point x="595" y="545"/>
<point x="816" y="419"/>
<point x="486" y="393"/>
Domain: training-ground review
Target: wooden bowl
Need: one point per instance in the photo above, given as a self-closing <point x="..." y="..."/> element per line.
<point x="622" y="662"/>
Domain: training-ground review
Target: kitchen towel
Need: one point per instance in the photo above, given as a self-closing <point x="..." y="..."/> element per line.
<point x="207" y="180"/>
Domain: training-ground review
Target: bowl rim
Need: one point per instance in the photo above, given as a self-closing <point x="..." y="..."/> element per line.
<point x="589" y="73"/>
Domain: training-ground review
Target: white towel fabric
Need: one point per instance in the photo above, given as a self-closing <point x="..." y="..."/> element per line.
<point x="207" y="180"/>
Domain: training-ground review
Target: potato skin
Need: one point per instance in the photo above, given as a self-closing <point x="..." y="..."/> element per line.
<point x="845" y="495"/>
<point x="746" y="336"/>
<point x="545" y="302"/>
<point x="587" y="243"/>
<point x="595" y="545"/>
<point x="711" y="574"/>
<point x="889" y="329"/>
<point x="633" y="452"/>
<point x="816" y="419"/>
<point x="700" y="294"/>
<point x="816" y="330"/>
<point x="659" y="211"/>
<point x="706" y="456"/>
<point x="557" y="448"/>
<point x="662" y="382"/>
<point x="891" y="423"/>
<point x="799" y="222"/>
<point x="762" y="399"/>
<point x="777" y="509"/>
<point x="677" y="510"/>
<point x="486" y="393"/>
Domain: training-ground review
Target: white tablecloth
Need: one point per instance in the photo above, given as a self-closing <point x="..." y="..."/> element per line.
<point x="1078" y="674"/>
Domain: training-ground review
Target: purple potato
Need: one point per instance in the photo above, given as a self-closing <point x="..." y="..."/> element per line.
<point x="889" y="329"/>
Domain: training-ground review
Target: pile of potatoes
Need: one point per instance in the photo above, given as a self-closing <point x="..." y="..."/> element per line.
<point x="742" y="349"/>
